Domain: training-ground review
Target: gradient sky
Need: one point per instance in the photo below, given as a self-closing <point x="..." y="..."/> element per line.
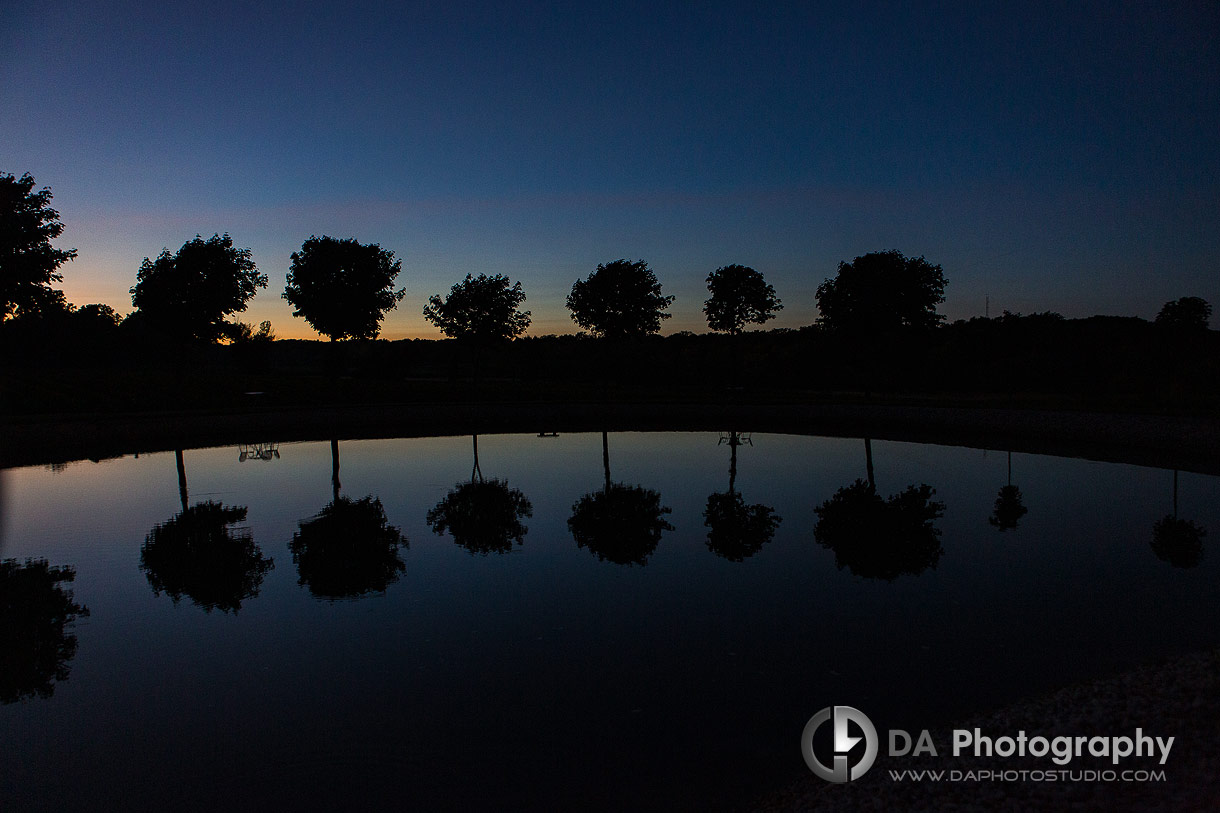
<point x="1048" y="157"/>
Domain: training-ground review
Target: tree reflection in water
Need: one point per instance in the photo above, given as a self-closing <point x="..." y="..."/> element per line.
<point x="36" y="612"/>
<point x="1178" y="541"/>
<point x="348" y="550"/>
<point x="737" y="531"/>
<point x="1009" y="506"/>
<point x="197" y="554"/>
<point x="1008" y="509"/>
<point x="881" y="538"/>
<point x="482" y="516"/>
<point x="620" y="523"/>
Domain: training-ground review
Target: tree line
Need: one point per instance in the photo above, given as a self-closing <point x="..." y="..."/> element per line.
<point x="343" y="289"/>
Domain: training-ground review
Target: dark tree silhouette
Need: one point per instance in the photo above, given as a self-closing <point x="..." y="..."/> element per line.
<point x="197" y="554"/>
<point x="1009" y="507"/>
<point x="28" y="261"/>
<point x="44" y="304"/>
<point x="348" y="550"/>
<point x="620" y="523"/>
<point x="96" y="318"/>
<point x="618" y="300"/>
<point x="187" y="295"/>
<point x="1187" y="313"/>
<point x="335" y="485"/>
<point x="737" y="531"/>
<point x="482" y="309"/>
<point x="342" y="288"/>
<point x="740" y="295"/>
<point x="880" y="293"/>
<point x="482" y="516"/>
<point x="244" y="333"/>
<point x="881" y="538"/>
<point x="1178" y="541"/>
<point x="36" y="613"/>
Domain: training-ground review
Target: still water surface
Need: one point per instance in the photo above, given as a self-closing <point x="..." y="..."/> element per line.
<point x="540" y="640"/>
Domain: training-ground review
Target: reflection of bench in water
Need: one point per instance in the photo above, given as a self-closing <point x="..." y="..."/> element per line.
<point x="258" y="451"/>
<point x="735" y="439"/>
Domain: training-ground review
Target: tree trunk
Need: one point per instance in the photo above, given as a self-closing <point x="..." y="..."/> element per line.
<point x="334" y="468"/>
<point x="476" y="471"/>
<point x="733" y="444"/>
<point x="181" y="477"/>
<point x="868" y="458"/>
<point x="606" y="458"/>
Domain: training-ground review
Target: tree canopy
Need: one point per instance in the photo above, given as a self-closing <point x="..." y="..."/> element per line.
<point x="189" y="293"/>
<point x="1009" y="508"/>
<point x="481" y="308"/>
<point x="37" y="613"/>
<point x="343" y="288"/>
<point x="882" y="292"/>
<point x="482" y="516"/>
<point x="1178" y="541"/>
<point x="880" y="538"/>
<point x="620" y="523"/>
<point x="197" y="554"/>
<point x="619" y="299"/>
<point x="740" y="295"/>
<point x="28" y="261"/>
<point x="348" y="550"/>
<point x="737" y="531"/>
<point x="1191" y="312"/>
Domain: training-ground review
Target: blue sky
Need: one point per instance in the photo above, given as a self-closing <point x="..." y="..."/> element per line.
<point x="1049" y="158"/>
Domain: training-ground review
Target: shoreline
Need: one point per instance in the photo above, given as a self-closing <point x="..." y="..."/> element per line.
<point x="1170" y="442"/>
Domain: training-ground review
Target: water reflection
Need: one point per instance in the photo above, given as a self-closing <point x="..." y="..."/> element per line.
<point x="348" y="549"/>
<point x="880" y="538"/>
<point x="197" y="554"/>
<point x="36" y="612"/>
<point x="620" y="523"/>
<point x="258" y="451"/>
<point x="1009" y="507"/>
<point x="737" y="531"/>
<point x="482" y="516"/>
<point x="585" y="644"/>
<point x="1178" y="541"/>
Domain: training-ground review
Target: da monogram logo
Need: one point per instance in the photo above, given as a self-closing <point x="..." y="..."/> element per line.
<point x="840" y="716"/>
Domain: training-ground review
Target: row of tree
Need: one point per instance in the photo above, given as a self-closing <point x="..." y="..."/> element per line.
<point x="344" y="289"/>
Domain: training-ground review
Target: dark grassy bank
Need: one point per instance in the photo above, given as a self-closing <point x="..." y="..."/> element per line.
<point x="1176" y="442"/>
<point x="1096" y="364"/>
<point x="1109" y="388"/>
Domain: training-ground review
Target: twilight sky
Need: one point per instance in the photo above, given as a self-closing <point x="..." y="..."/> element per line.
<point x="1048" y="157"/>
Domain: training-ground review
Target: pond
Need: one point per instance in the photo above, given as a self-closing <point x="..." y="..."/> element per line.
<point x="609" y="622"/>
